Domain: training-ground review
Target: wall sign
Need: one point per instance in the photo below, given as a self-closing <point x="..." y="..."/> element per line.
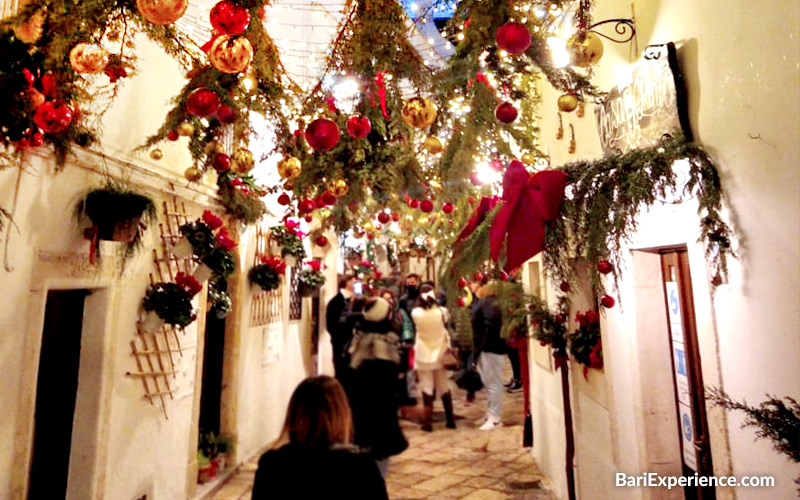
<point x="638" y="114"/>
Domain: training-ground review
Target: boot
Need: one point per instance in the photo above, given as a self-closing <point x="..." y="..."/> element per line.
<point x="447" y="401"/>
<point x="427" y="415"/>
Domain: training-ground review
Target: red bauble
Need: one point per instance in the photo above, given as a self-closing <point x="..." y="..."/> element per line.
<point x="496" y="165"/>
<point x="448" y="208"/>
<point x="36" y="140"/>
<point x="384" y="218"/>
<point x="322" y="134"/>
<point x="604" y="266"/>
<point x="230" y="18"/>
<point x="222" y="162"/>
<point x="328" y="198"/>
<point x="565" y="287"/>
<point x="306" y="206"/>
<point x="505" y="112"/>
<point x="358" y="126"/>
<point x="318" y="202"/>
<point x="462" y="282"/>
<point x="475" y="180"/>
<point x="514" y="38"/>
<point x="395" y="217"/>
<point x="49" y="85"/>
<point x="284" y="199"/>
<point x="426" y="206"/>
<point x="321" y="241"/>
<point x="308" y="218"/>
<point x="53" y="117"/>
<point x="462" y="302"/>
<point x="353" y="206"/>
<point x="370" y="236"/>
<point x="503" y="276"/>
<point x="172" y="135"/>
<point x="378" y="227"/>
<point x="226" y="114"/>
<point x="413" y="203"/>
<point x="477" y="276"/>
<point x="202" y="102"/>
<point x="608" y="301"/>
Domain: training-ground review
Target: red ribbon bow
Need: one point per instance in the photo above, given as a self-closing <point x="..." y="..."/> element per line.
<point x="528" y="202"/>
<point x="381" y="84"/>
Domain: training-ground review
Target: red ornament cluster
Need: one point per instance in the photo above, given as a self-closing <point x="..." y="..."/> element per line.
<point x="229" y="18"/>
<point x="202" y="102"/>
<point x="358" y="126"/>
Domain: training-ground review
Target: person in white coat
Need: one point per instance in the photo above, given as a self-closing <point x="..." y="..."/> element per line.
<point x="430" y="346"/>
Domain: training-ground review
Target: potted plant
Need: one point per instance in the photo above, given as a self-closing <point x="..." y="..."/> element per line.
<point x="215" y="252"/>
<point x="219" y="302"/>
<point x="267" y="274"/>
<point x="169" y="303"/>
<point x="289" y="237"/>
<point x="215" y="448"/>
<point x="116" y="214"/>
<point x="206" y="469"/>
<point x="310" y="278"/>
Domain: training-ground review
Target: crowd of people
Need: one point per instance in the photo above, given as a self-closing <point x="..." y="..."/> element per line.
<point x="386" y="351"/>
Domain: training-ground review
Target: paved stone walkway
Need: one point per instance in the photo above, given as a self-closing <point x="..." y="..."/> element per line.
<point x="465" y="463"/>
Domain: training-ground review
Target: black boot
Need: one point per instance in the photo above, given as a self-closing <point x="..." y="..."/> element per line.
<point x="447" y="401"/>
<point x="427" y="415"/>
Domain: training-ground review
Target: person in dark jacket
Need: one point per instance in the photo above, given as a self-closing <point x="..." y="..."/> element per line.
<point x="316" y="458"/>
<point x="487" y="322"/>
<point x="374" y="358"/>
<point x="334" y="322"/>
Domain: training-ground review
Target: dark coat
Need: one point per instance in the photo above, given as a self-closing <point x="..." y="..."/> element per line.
<point x="487" y="322"/>
<point x="297" y="472"/>
<point x="371" y="388"/>
<point x="333" y="322"/>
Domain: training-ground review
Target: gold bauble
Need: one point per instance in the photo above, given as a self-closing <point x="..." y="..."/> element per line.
<point x="185" y="128"/>
<point x="567" y="102"/>
<point x="368" y="226"/>
<point x="289" y="168"/>
<point x="433" y="145"/>
<point x="162" y="12"/>
<point x="339" y="188"/>
<point x="31" y="30"/>
<point x="213" y="148"/>
<point x="156" y="154"/>
<point x="242" y="161"/>
<point x="419" y="112"/>
<point x="193" y="174"/>
<point x="88" y="58"/>
<point x="528" y="159"/>
<point x="584" y="48"/>
<point x="231" y="54"/>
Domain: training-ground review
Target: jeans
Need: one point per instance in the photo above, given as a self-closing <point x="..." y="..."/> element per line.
<point x="491" y="368"/>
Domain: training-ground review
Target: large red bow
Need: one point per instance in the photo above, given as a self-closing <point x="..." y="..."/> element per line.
<point x="486" y="205"/>
<point x="528" y="202"/>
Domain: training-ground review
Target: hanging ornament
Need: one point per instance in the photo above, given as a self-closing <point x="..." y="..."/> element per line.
<point x="352" y="206"/>
<point x="565" y="287"/>
<point x="172" y="135"/>
<point x="306" y="206"/>
<point x="567" y="102"/>
<point x="36" y="139"/>
<point x="528" y="159"/>
<point x="448" y="208"/>
<point x="571" y="139"/>
<point x="322" y="134"/>
<point x="608" y="301"/>
<point x="53" y="117"/>
<point x="193" y="174"/>
<point x="289" y="168"/>
<point x="31" y="30"/>
<point x="368" y="226"/>
<point x="229" y="18"/>
<point x="156" y="154"/>
<point x="88" y="58"/>
<point x="462" y="282"/>
<point x="514" y="38"/>
<point x="213" y="148"/>
<point x="358" y="126"/>
<point x="419" y="112"/>
<point x="560" y="131"/>
<point x="242" y="161"/>
<point x="503" y="276"/>
<point x="413" y="204"/>
<point x="202" y="102"/>
<point x="162" y="12"/>
<point x="505" y="112"/>
<point x="584" y="48"/>
<point x="35" y="97"/>
<point x="222" y="162"/>
<point x="604" y="266"/>
<point x="185" y="128"/>
<point x="339" y="188"/>
<point x="496" y="165"/>
<point x="395" y="216"/>
<point x="321" y="241"/>
<point x="384" y="218"/>
<point x="284" y="199"/>
<point x="231" y="54"/>
<point x="433" y="145"/>
<point x="328" y="198"/>
<point x="226" y="114"/>
<point x="581" y="109"/>
<point x="462" y="302"/>
<point x="426" y="206"/>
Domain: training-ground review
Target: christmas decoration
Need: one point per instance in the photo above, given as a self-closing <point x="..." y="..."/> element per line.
<point x="193" y="174"/>
<point x="414" y="204"/>
<point x="305" y="206"/>
<point x="222" y="162"/>
<point x="358" y="126"/>
<point x="419" y="112"/>
<point x="528" y="159"/>
<point x="339" y="188"/>
<point x="88" y="58"/>
<point x="448" y="208"/>
<point x="567" y="102"/>
<point x="242" y="161"/>
<point x="565" y="287"/>
<point x="185" y="129"/>
<point x="462" y="302"/>
<point x="226" y="114"/>
<point x="173" y="135"/>
<point x="321" y="241"/>
<point x="328" y="198"/>
<point x="604" y="267"/>
<point x="505" y="112"/>
<point x="322" y="134"/>
<point x="475" y="180"/>
<point x="53" y="117"/>
<point x="231" y="54"/>
<point x="162" y="12"/>
<point x="31" y="30"/>
<point x="156" y="154"/>
<point x="584" y="48"/>
<point x="607" y="301"/>
<point x="289" y="168"/>
<point x="284" y="199"/>
<point x="462" y="282"/>
<point x="171" y="303"/>
<point x="384" y="218"/>
<point x="496" y="165"/>
<point x="229" y="18"/>
<point x="514" y="38"/>
<point x="433" y="145"/>
<point x="202" y="102"/>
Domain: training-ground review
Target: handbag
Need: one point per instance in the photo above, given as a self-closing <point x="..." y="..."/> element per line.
<point x="469" y="379"/>
<point x="451" y="360"/>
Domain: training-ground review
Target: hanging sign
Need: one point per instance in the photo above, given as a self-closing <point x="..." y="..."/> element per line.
<point x="637" y="114"/>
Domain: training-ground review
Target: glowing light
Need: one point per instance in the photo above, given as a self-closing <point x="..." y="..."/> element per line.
<point x="558" y="51"/>
<point x="487" y="174"/>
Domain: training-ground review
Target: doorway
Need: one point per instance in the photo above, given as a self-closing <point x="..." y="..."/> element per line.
<point x="56" y="394"/>
<point x="687" y="371"/>
<point x="213" y="359"/>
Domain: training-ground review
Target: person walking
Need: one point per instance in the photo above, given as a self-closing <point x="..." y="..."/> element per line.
<point x="406" y="303"/>
<point x="374" y="358"/>
<point x="433" y="339"/>
<point x="314" y="456"/>
<point x="487" y="322"/>
<point x="334" y="322"/>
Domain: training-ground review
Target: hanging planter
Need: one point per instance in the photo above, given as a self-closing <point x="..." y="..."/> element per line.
<point x="310" y="279"/>
<point x="202" y="273"/>
<point x="182" y="248"/>
<point x="267" y="275"/>
<point x="171" y="302"/>
<point x="305" y="290"/>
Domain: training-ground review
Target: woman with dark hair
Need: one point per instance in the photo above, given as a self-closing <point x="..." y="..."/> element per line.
<point x="433" y="339"/>
<point x="314" y="457"/>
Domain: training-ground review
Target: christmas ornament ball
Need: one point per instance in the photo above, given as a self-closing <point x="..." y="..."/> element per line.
<point x="496" y="165"/>
<point x="584" y="48"/>
<point x="162" y="12"/>
<point x="448" y="208"/>
<point x="231" y="54"/>
<point x="308" y="218"/>
<point x="358" y="126"/>
<point x="230" y="18"/>
<point x="242" y="161"/>
<point x="185" y="129"/>
<point x="567" y="102"/>
<point x="222" y="162"/>
<point x="604" y="266"/>
<point x="413" y="203"/>
<point x="419" y="112"/>
<point x="322" y="134"/>
<point x="156" y="154"/>
<point x="475" y="180"/>
<point x="321" y="241"/>
<point x="505" y="112"/>
<point x="328" y="198"/>
<point x="462" y="282"/>
<point x="395" y="216"/>
<point x="462" y="302"/>
<point x="339" y="188"/>
<point x="289" y="168"/>
<point x="433" y="145"/>
<point x="528" y="159"/>
<point x="306" y="206"/>
<point x="31" y="30"/>
<point x="607" y="301"/>
<point x="426" y="206"/>
<point x="384" y="218"/>
<point x="193" y="174"/>
<point x="284" y="199"/>
<point x="88" y="58"/>
<point x="53" y="117"/>
<point x="514" y="38"/>
<point x="565" y="287"/>
<point x="226" y="114"/>
<point x="172" y="135"/>
<point x="202" y="102"/>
